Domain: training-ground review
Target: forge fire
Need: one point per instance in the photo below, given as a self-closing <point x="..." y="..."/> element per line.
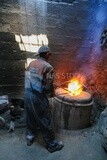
<point x="75" y="87"/>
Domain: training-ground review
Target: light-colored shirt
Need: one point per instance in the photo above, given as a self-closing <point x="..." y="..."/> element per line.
<point x="39" y="75"/>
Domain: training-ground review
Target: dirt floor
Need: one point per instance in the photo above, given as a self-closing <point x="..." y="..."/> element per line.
<point x="79" y="145"/>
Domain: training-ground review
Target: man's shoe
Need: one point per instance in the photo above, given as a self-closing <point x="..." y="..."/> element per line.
<point x="30" y="142"/>
<point x="56" y="147"/>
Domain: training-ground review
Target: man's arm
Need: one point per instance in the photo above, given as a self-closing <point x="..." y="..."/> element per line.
<point x="49" y="78"/>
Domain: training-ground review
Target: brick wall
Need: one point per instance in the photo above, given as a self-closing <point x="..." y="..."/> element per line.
<point x="73" y="30"/>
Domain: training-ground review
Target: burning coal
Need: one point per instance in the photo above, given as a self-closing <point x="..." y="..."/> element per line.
<point x="75" y="86"/>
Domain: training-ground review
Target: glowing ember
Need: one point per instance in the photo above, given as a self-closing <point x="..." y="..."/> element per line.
<point x="75" y="87"/>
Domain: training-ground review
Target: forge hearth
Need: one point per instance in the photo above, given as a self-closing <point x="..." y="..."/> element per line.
<point x="71" y="112"/>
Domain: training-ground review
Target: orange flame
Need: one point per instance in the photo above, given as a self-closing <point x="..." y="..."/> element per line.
<point x="75" y="87"/>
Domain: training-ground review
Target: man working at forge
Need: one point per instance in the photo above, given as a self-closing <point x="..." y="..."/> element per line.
<point x="38" y="82"/>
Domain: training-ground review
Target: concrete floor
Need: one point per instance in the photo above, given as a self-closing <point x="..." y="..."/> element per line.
<point x="79" y="145"/>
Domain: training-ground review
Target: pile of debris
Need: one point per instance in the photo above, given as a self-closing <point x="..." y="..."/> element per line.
<point x="11" y="113"/>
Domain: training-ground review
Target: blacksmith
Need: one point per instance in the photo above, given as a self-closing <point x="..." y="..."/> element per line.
<point x="39" y="82"/>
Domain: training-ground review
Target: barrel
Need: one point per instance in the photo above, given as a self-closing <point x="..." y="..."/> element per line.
<point x="71" y="112"/>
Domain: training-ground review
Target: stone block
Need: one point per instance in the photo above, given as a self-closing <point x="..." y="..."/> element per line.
<point x="12" y="55"/>
<point x="7" y="37"/>
<point x="13" y="18"/>
<point x="6" y="27"/>
<point x="9" y="46"/>
<point x="13" y="91"/>
<point x="12" y="72"/>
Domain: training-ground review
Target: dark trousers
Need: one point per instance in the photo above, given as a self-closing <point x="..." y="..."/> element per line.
<point x="38" y="115"/>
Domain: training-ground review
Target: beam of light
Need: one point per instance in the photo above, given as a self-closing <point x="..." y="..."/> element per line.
<point x="31" y="43"/>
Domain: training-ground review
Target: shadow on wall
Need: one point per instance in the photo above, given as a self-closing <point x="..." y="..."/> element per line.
<point x="12" y="65"/>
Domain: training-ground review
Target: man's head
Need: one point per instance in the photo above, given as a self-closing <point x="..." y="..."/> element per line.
<point x="44" y="51"/>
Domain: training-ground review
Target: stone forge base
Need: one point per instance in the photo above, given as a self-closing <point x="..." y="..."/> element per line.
<point x="71" y="112"/>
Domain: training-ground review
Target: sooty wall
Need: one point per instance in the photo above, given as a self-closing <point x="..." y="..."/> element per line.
<point x="72" y="29"/>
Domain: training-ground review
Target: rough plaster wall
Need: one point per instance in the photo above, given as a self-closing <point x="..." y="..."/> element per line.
<point x="71" y="29"/>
